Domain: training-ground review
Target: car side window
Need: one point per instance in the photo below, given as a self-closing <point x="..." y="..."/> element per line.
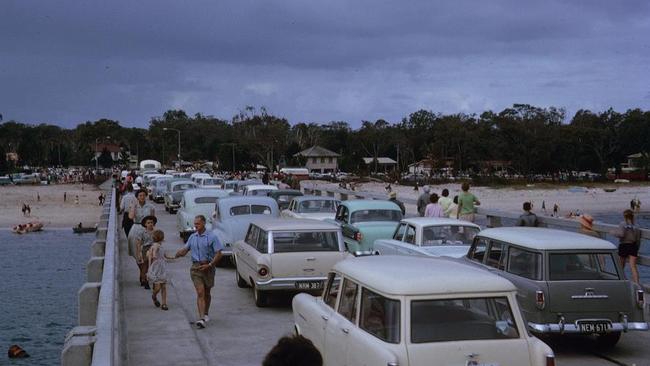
<point x="477" y="251"/>
<point x="331" y="290"/>
<point x="496" y="255"/>
<point x="251" y="237"/>
<point x="348" y="303"/>
<point x="263" y="242"/>
<point x="399" y="232"/>
<point x="410" y="235"/>
<point x="524" y="263"/>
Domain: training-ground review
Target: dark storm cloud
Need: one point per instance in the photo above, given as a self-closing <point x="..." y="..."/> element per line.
<point x="70" y="61"/>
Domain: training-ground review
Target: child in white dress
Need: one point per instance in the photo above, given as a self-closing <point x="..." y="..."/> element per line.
<point x="157" y="273"/>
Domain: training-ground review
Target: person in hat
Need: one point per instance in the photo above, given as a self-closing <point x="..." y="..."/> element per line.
<point x="587" y="226"/>
<point x="423" y="200"/>
<point x="143" y="242"/>
<point x="138" y="209"/>
<point x="393" y="198"/>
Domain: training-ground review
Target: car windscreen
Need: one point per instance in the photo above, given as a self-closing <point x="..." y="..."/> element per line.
<point x="317" y="206"/>
<point x="202" y="200"/>
<point x="211" y="182"/>
<point x="462" y="319"/>
<point x="312" y="241"/>
<point x="259" y="192"/>
<point x="582" y="266"/>
<point x="183" y="187"/>
<point x="248" y="209"/>
<point x="448" y="235"/>
<point x="375" y="215"/>
<point x="229" y="185"/>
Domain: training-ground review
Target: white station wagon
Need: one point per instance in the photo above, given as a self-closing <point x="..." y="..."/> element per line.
<point x="429" y="236"/>
<point x="287" y="255"/>
<point x="312" y="207"/>
<point x="402" y="310"/>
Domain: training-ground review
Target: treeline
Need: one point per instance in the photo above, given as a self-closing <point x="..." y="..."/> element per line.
<point x="532" y="139"/>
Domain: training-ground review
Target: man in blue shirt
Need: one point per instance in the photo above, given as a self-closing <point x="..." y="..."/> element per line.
<point x="206" y="253"/>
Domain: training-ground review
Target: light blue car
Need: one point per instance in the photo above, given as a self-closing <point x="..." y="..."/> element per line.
<point x="232" y="216"/>
<point x="196" y="202"/>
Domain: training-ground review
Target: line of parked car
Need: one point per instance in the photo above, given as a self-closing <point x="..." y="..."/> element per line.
<point x="377" y="288"/>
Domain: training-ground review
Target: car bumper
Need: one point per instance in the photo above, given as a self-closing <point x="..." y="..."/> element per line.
<point x="559" y="328"/>
<point x="288" y="284"/>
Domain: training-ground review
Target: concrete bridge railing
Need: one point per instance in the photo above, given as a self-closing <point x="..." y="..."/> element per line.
<point x="494" y="217"/>
<point x="97" y="338"/>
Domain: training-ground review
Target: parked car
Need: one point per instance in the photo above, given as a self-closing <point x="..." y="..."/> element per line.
<point x="287" y="255"/>
<point x="209" y="182"/>
<point x="401" y="310"/>
<point x="5" y="180"/>
<point x="284" y="196"/>
<point x="229" y="185"/>
<point x="159" y="188"/>
<point x="429" y="236"/>
<point x="175" y="188"/>
<point x="311" y="207"/>
<point x="364" y="221"/>
<point x="241" y="184"/>
<point x="233" y="215"/>
<point x="567" y="283"/>
<point x="258" y="189"/>
<point x="196" y="202"/>
<point x="194" y="177"/>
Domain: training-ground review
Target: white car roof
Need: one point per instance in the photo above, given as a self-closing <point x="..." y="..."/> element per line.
<point x="202" y="192"/>
<point x="409" y="275"/>
<point x="546" y="239"/>
<point x="428" y="221"/>
<point x="273" y="224"/>
<point x="254" y="187"/>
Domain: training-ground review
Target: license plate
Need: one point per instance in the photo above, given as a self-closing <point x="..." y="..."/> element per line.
<point x="478" y="363"/>
<point x="309" y="285"/>
<point x="594" y="327"/>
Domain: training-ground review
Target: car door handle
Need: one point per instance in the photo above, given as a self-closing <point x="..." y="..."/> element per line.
<point x="325" y="317"/>
<point x="345" y="330"/>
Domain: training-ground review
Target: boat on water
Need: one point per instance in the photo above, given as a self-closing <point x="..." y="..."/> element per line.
<point x="609" y="190"/>
<point x="28" y="227"/>
<point x="80" y="229"/>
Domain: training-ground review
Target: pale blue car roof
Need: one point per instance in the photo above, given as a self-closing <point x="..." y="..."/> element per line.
<point x="355" y="205"/>
<point x="227" y="202"/>
<point x="314" y="198"/>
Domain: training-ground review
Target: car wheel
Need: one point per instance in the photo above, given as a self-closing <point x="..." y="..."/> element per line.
<point x="240" y="281"/>
<point x="608" y="340"/>
<point x="261" y="297"/>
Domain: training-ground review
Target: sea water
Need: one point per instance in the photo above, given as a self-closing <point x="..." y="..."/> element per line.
<point x="40" y="274"/>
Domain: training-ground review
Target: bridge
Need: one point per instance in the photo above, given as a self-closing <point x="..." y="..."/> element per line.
<point x="119" y="325"/>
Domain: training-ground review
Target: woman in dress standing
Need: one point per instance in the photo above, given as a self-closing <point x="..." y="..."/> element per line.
<point x="138" y="210"/>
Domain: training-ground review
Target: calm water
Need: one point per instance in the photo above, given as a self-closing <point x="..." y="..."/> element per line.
<point x="41" y="274"/>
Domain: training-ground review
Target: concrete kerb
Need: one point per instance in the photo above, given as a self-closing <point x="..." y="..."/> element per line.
<point x="78" y="346"/>
<point x="95" y="269"/>
<point x="101" y="233"/>
<point x="88" y="300"/>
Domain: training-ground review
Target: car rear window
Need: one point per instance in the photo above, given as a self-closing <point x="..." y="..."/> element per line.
<point x="462" y="319"/>
<point x="317" y="241"/>
<point x="247" y="209"/>
<point x="525" y="263"/>
<point x="314" y="206"/>
<point x="582" y="266"/>
<point x="380" y="316"/>
<point x="182" y="187"/>
<point x="375" y="215"/>
<point x="448" y="235"/>
<point x="201" y="200"/>
<point x="259" y="192"/>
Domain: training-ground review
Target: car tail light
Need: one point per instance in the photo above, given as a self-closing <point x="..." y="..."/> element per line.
<point x="540" y="299"/>
<point x="640" y="297"/>
<point x="550" y="360"/>
<point x="263" y="271"/>
<point x="358" y="236"/>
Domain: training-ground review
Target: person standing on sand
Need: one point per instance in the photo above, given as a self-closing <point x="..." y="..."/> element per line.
<point x="38" y="197"/>
<point x="65" y="196"/>
<point x="466" y="203"/>
<point x="528" y="218"/>
<point x="423" y="200"/>
<point x="544" y="207"/>
<point x="556" y="208"/>
<point x="76" y="199"/>
<point x="629" y="242"/>
<point x="445" y="202"/>
<point x="206" y="250"/>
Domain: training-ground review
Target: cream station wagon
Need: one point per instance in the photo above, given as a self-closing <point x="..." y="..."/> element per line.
<point x="287" y="255"/>
<point x="429" y="236"/>
<point x="568" y="283"/>
<point x="403" y="310"/>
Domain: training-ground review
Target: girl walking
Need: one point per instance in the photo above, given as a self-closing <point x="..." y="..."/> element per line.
<point x="157" y="273"/>
<point x="629" y="241"/>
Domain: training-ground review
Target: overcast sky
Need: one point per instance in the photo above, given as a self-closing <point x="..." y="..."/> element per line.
<point x="66" y="62"/>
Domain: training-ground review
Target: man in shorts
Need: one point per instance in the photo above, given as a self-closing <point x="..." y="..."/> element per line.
<point x="206" y="251"/>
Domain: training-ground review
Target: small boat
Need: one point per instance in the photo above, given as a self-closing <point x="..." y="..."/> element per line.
<point x="81" y="230"/>
<point x="27" y="228"/>
<point x="621" y="181"/>
<point x="609" y="190"/>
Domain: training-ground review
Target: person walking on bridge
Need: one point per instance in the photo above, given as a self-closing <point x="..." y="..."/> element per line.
<point x="206" y="250"/>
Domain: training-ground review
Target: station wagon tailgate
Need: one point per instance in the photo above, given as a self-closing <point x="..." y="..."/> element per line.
<point x="304" y="264"/>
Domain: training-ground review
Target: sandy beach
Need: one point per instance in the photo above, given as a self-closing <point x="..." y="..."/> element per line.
<point x="51" y="209"/>
<point x="595" y="200"/>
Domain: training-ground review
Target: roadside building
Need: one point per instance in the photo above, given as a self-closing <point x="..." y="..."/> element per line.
<point x="382" y="163"/>
<point x="319" y="159"/>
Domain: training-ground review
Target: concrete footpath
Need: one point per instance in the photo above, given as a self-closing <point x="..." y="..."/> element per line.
<point x="239" y="333"/>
